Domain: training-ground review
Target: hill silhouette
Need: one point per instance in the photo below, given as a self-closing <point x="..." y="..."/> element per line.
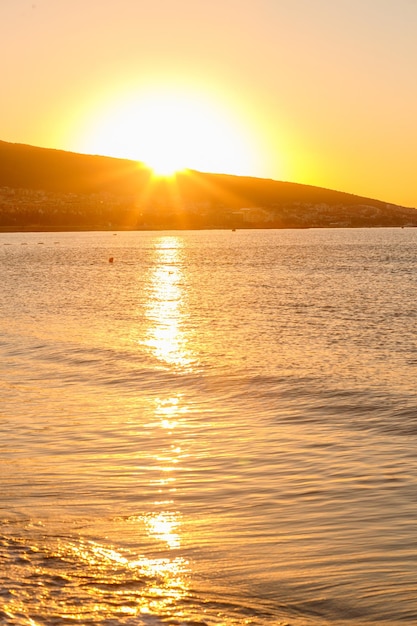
<point x="29" y="167"/>
<point x="46" y="189"/>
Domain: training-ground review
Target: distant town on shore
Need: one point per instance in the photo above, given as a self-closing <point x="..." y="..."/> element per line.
<point x="52" y="190"/>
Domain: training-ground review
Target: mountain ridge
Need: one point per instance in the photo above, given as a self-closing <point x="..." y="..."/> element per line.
<point x="46" y="188"/>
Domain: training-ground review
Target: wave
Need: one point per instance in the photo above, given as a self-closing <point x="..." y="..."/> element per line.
<point x="50" y="579"/>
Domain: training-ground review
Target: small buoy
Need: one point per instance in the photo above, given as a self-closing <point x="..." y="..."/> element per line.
<point x="111" y="260"/>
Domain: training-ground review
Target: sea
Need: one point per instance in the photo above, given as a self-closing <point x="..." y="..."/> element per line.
<point x="209" y="428"/>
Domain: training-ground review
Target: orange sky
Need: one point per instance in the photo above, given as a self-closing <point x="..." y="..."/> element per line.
<point x="313" y="91"/>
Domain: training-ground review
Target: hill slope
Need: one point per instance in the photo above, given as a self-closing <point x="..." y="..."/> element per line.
<point x="44" y="189"/>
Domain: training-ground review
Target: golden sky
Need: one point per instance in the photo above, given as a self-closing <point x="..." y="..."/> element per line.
<point x="322" y="92"/>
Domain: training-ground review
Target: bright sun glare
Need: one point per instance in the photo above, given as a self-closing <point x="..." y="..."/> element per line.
<point x="170" y="131"/>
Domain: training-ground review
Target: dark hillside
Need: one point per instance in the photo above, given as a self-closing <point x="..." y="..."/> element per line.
<point x="28" y="167"/>
<point x="44" y="189"/>
<point x="264" y="192"/>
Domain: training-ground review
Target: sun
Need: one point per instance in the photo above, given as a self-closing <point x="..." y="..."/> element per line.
<point x="171" y="130"/>
<point x="167" y="128"/>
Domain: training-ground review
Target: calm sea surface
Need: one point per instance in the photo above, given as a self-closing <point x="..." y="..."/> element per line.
<point x="217" y="428"/>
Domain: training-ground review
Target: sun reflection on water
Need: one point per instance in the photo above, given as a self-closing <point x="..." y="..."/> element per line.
<point x="116" y="581"/>
<point x="164" y="526"/>
<point x="168" y="340"/>
<point x="166" y="309"/>
<point x="165" y="571"/>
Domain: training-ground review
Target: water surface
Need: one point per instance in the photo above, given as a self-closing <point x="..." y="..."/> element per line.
<point x="218" y="427"/>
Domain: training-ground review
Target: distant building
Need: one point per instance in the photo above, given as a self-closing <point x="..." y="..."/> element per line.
<point x="255" y="215"/>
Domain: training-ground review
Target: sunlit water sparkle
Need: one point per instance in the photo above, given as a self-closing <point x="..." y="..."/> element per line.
<point x="216" y="428"/>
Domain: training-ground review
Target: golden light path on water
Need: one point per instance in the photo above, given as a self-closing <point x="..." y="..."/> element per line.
<point x="168" y="343"/>
<point x="165" y="311"/>
<point x="161" y="525"/>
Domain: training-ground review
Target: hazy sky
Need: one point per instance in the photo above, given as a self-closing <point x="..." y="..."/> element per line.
<point x="322" y="92"/>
